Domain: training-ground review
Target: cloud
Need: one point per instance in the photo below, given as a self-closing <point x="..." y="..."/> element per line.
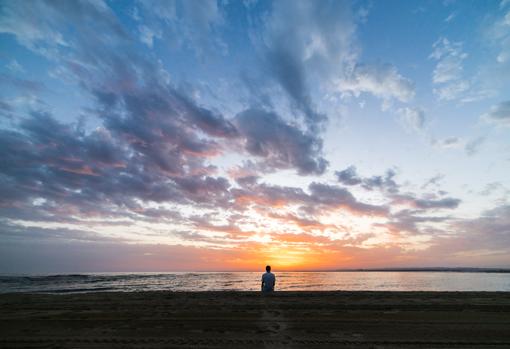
<point x="349" y="176"/>
<point x="281" y="145"/>
<point x="321" y="198"/>
<point x="304" y="42"/>
<point x="392" y="190"/>
<point x="55" y="256"/>
<point x="148" y="35"/>
<point x="500" y="31"/>
<point x="448" y="143"/>
<point x="164" y="129"/>
<point x="183" y="24"/>
<point x="448" y="73"/>
<point x="411" y="222"/>
<point x="6" y="109"/>
<point x="453" y="91"/>
<point x="291" y="78"/>
<point x="314" y="43"/>
<point x="412" y="118"/>
<point x="42" y="26"/>
<point x="135" y="105"/>
<point x="473" y="146"/>
<point x="382" y="81"/>
<point x="15" y="67"/>
<point x="492" y="227"/>
<point x="151" y="148"/>
<point x="98" y="174"/>
<point x="426" y="203"/>
<point x="32" y="30"/>
<point x="333" y="196"/>
<point x="495" y="188"/>
<point x="493" y="73"/>
<point x="484" y="239"/>
<point x="24" y="85"/>
<point x="433" y="181"/>
<point x="385" y="182"/>
<point x="449" y="203"/>
<point x="268" y="195"/>
<point x="450" y="17"/>
<point x="15" y="233"/>
<point x="498" y="114"/>
<point x="304" y="223"/>
<point x="449" y="57"/>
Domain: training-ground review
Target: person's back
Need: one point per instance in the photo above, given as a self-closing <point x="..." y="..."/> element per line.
<point x="268" y="280"/>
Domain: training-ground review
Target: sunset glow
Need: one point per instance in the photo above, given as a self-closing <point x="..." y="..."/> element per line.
<point x="227" y="135"/>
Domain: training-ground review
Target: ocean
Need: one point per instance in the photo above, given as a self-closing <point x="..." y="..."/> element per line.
<point x="250" y="281"/>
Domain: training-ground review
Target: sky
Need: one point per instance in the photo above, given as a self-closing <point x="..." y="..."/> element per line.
<point x="227" y="135"/>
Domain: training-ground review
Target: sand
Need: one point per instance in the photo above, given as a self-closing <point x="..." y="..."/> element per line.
<point x="251" y="320"/>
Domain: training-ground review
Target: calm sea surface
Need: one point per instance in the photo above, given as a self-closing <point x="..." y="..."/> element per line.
<point x="249" y="281"/>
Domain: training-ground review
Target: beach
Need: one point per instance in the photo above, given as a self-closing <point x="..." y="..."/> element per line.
<point x="163" y="319"/>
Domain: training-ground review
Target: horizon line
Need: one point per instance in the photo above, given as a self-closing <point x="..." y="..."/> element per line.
<point x="384" y="269"/>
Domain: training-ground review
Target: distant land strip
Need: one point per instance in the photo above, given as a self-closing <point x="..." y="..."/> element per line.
<point x="427" y="269"/>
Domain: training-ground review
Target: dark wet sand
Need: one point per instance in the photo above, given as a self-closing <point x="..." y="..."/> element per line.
<point x="250" y="320"/>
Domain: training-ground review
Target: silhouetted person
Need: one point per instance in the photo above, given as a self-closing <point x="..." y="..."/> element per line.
<point x="268" y="280"/>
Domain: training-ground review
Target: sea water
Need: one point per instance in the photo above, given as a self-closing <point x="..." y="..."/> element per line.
<point x="250" y="281"/>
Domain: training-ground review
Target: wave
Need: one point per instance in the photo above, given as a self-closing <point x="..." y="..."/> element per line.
<point x="77" y="290"/>
<point x="80" y="277"/>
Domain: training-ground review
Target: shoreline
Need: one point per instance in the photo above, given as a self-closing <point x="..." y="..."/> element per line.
<point x="296" y="319"/>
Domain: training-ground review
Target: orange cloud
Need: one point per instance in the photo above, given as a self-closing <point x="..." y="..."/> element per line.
<point x="84" y="170"/>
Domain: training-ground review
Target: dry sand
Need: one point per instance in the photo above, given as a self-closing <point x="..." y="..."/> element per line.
<point x="251" y="320"/>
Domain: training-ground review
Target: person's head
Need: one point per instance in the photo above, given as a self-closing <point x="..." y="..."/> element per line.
<point x="268" y="268"/>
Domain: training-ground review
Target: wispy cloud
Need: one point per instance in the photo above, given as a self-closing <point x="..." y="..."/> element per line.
<point x="412" y="118"/>
<point x="383" y="81"/>
<point x="448" y="73"/>
<point x="498" y="114"/>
